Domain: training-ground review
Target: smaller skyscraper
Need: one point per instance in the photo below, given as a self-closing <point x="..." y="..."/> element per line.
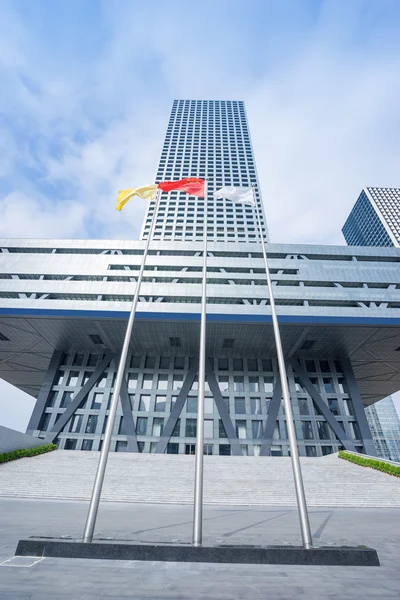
<point x="384" y="423"/>
<point x="374" y="219"/>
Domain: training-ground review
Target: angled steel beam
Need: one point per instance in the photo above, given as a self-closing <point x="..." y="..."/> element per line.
<point x="329" y="416"/>
<point x="128" y="418"/>
<point x="223" y="411"/>
<point x="176" y="411"/>
<point x="79" y="398"/>
<point x="272" y="418"/>
<point x="45" y="390"/>
<point x="359" y="409"/>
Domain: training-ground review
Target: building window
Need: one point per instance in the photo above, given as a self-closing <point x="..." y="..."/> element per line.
<point x="223" y="381"/>
<point x="334" y="406"/>
<point x="147" y="381"/>
<point x="257" y="429"/>
<point x="76" y="424"/>
<point x="179" y="362"/>
<point x="70" y="444"/>
<point x="177" y="382"/>
<point x="141" y="425"/>
<point x="91" y="424"/>
<point x="87" y="444"/>
<point x="78" y="360"/>
<point x="323" y="430"/>
<point x="92" y="360"/>
<point x="149" y="362"/>
<point x="237" y="364"/>
<point x="223" y="364"/>
<point x="158" y="425"/>
<point x="307" y="430"/>
<point x="73" y="378"/>
<point x="224" y="450"/>
<point x="172" y="448"/>
<point x="135" y="362"/>
<point x="161" y="403"/>
<point x="252" y="364"/>
<point x="66" y="399"/>
<point x="303" y="406"/>
<point x="208" y="404"/>
<point x="254" y="384"/>
<point x="240" y="406"/>
<point x="241" y="432"/>
<point x="162" y="382"/>
<point x="268" y="384"/>
<point x="266" y="365"/>
<point x="97" y="401"/>
<point x="310" y="366"/>
<point x="208" y="428"/>
<point x="144" y="403"/>
<point x="191" y="428"/>
<point x="121" y="446"/>
<point x="102" y="382"/>
<point x="164" y="362"/>
<point x="132" y="381"/>
<point x="311" y="451"/>
<point x="191" y="404"/>
<point x="238" y="383"/>
<point x="255" y="406"/>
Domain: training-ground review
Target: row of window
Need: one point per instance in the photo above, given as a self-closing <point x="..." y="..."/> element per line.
<point x="249" y="429"/>
<point x="181" y="362"/>
<point x="197" y="300"/>
<point x="216" y="253"/>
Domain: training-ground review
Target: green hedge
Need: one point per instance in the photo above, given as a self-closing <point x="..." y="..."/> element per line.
<point x="370" y="462"/>
<point x="7" y="456"/>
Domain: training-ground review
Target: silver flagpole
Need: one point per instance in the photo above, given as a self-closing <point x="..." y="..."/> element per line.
<point x="198" y="478"/>
<point x="298" y="478"/>
<point x="101" y="468"/>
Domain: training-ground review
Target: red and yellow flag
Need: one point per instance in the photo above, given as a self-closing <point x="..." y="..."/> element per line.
<point x="191" y="185"/>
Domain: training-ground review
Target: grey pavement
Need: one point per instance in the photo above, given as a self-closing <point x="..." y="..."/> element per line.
<point x="93" y="579"/>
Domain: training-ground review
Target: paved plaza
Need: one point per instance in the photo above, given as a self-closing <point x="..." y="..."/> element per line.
<point x="53" y="579"/>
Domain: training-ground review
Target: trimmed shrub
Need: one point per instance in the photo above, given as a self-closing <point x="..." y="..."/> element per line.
<point x="24" y="453"/>
<point x="370" y="462"/>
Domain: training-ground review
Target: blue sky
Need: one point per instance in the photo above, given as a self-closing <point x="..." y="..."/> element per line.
<point x="86" y="90"/>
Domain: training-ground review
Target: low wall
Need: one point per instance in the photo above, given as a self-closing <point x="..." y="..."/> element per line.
<point x="15" y="440"/>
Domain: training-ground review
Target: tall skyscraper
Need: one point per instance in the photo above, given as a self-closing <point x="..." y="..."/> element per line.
<point x="374" y="219"/>
<point x="208" y="139"/>
<point x="384" y="423"/>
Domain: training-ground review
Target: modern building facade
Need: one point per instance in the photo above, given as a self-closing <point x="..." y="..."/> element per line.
<point x="384" y="423"/>
<point x="374" y="219"/>
<point x="64" y="305"/>
<point x="208" y="139"/>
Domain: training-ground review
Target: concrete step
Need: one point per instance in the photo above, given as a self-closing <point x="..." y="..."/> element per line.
<point x="228" y="480"/>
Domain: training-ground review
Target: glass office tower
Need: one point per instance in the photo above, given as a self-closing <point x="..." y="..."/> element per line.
<point x="208" y="139"/>
<point x="374" y="219"/>
<point x="384" y="423"/>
